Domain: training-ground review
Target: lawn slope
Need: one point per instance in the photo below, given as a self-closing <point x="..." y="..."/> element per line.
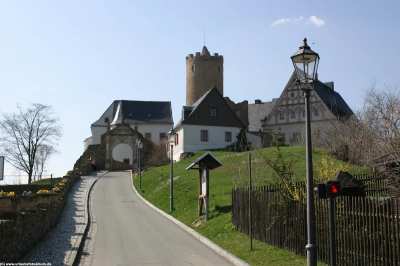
<point x="155" y="188"/>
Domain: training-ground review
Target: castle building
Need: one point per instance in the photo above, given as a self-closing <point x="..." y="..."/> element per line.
<point x="286" y="115"/>
<point x="203" y="72"/>
<point x="209" y="121"/>
<point x="112" y="144"/>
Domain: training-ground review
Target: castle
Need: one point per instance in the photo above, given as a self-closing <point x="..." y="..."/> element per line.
<point x="209" y="119"/>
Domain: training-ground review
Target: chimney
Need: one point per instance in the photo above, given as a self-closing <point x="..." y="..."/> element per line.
<point x="330" y="84"/>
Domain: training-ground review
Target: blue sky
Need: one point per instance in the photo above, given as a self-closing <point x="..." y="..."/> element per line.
<point x="78" y="56"/>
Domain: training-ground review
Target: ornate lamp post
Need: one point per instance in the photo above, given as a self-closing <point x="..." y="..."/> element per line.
<point x="139" y="146"/>
<point x="305" y="62"/>
<point x="171" y="171"/>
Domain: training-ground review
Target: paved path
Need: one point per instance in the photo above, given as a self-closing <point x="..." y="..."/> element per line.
<point x="61" y="243"/>
<point x="125" y="231"/>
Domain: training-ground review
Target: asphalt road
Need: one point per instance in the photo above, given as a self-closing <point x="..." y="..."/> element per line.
<point x="125" y="231"/>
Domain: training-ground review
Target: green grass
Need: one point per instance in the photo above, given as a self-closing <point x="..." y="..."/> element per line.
<point x="47" y="181"/>
<point x="155" y="188"/>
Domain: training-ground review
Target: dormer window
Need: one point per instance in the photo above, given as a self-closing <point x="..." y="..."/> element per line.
<point x="213" y="112"/>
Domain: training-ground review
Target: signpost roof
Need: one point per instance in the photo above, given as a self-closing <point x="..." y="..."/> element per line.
<point x="207" y="160"/>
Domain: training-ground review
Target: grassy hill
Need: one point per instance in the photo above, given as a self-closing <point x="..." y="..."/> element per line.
<point x="155" y="188"/>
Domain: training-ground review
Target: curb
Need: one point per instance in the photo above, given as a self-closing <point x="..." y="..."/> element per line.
<point x="217" y="249"/>
<point x="77" y="252"/>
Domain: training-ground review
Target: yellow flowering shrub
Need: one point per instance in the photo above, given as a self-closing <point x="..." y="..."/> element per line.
<point x="56" y="189"/>
<point x="327" y="168"/>
<point x="43" y="191"/>
<point x="7" y="194"/>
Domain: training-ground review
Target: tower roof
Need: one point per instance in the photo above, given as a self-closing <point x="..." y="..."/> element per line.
<point x="205" y="51"/>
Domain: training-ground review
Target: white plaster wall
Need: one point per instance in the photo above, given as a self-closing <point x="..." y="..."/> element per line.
<point x="87" y="142"/>
<point x="189" y="139"/>
<point x="178" y="149"/>
<point x="289" y="129"/>
<point x="256" y="113"/>
<point x="255" y="140"/>
<point x="122" y="151"/>
<point x="154" y="130"/>
<point x="97" y="132"/>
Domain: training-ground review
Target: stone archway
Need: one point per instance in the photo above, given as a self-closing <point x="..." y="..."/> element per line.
<point x="122" y="153"/>
<point x="120" y="143"/>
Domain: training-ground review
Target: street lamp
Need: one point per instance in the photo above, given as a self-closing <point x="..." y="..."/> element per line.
<point x="171" y="171"/>
<point x="305" y="62"/>
<point x="139" y="145"/>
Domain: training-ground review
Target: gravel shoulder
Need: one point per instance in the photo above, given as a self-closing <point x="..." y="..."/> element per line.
<point x="60" y="245"/>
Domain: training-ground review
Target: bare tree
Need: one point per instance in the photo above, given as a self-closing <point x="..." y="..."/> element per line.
<point x="26" y="133"/>
<point x="372" y="136"/>
<point x="382" y="114"/>
<point x="44" y="152"/>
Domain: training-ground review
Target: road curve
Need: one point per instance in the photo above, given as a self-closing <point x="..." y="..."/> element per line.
<point x="125" y="231"/>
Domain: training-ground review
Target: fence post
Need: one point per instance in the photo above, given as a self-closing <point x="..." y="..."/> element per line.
<point x="250" y="210"/>
<point x="332" y="231"/>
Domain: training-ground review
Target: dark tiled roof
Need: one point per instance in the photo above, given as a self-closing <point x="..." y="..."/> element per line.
<point x="198" y="112"/>
<point x="147" y="111"/>
<point x="333" y="101"/>
<point x="139" y="111"/>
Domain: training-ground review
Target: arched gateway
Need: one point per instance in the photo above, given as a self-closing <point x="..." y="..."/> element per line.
<point x="120" y="147"/>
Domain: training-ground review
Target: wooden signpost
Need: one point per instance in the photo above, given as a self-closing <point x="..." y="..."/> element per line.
<point x="204" y="164"/>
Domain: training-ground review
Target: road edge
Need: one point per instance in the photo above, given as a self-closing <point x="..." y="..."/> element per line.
<point x="78" y="248"/>
<point x="217" y="249"/>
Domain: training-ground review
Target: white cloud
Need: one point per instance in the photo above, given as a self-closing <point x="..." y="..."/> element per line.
<point x="283" y="21"/>
<point x="314" y="20"/>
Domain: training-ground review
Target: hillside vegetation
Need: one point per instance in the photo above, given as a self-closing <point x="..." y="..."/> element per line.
<point x="155" y="188"/>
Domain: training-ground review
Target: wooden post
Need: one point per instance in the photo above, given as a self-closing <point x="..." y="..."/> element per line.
<point x="171" y="178"/>
<point x="332" y="231"/>
<point x="140" y="169"/>
<point x="207" y="192"/>
<point x="200" y="199"/>
<point x="250" y="210"/>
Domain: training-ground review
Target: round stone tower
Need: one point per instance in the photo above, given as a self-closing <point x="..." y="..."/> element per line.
<point x="203" y="72"/>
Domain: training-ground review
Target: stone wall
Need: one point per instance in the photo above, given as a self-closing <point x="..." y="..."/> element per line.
<point x="203" y="72"/>
<point x="32" y="218"/>
<point x="18" y="189"/>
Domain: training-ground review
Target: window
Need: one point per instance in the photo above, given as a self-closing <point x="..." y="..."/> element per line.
<point x="296" y="138"/>
<point x="228" y="136"/>
<point x="193" y="68"/>
<point x="281" y="115"/>
<point x="315" y="111"/>
<point x="292" y="114"/>
<point x="213" y="112"/>
<point x="147" y="135"/>
<point x="204" y="135"/>
<point x="176" y="139"/>
<point x="163" y="136"/>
